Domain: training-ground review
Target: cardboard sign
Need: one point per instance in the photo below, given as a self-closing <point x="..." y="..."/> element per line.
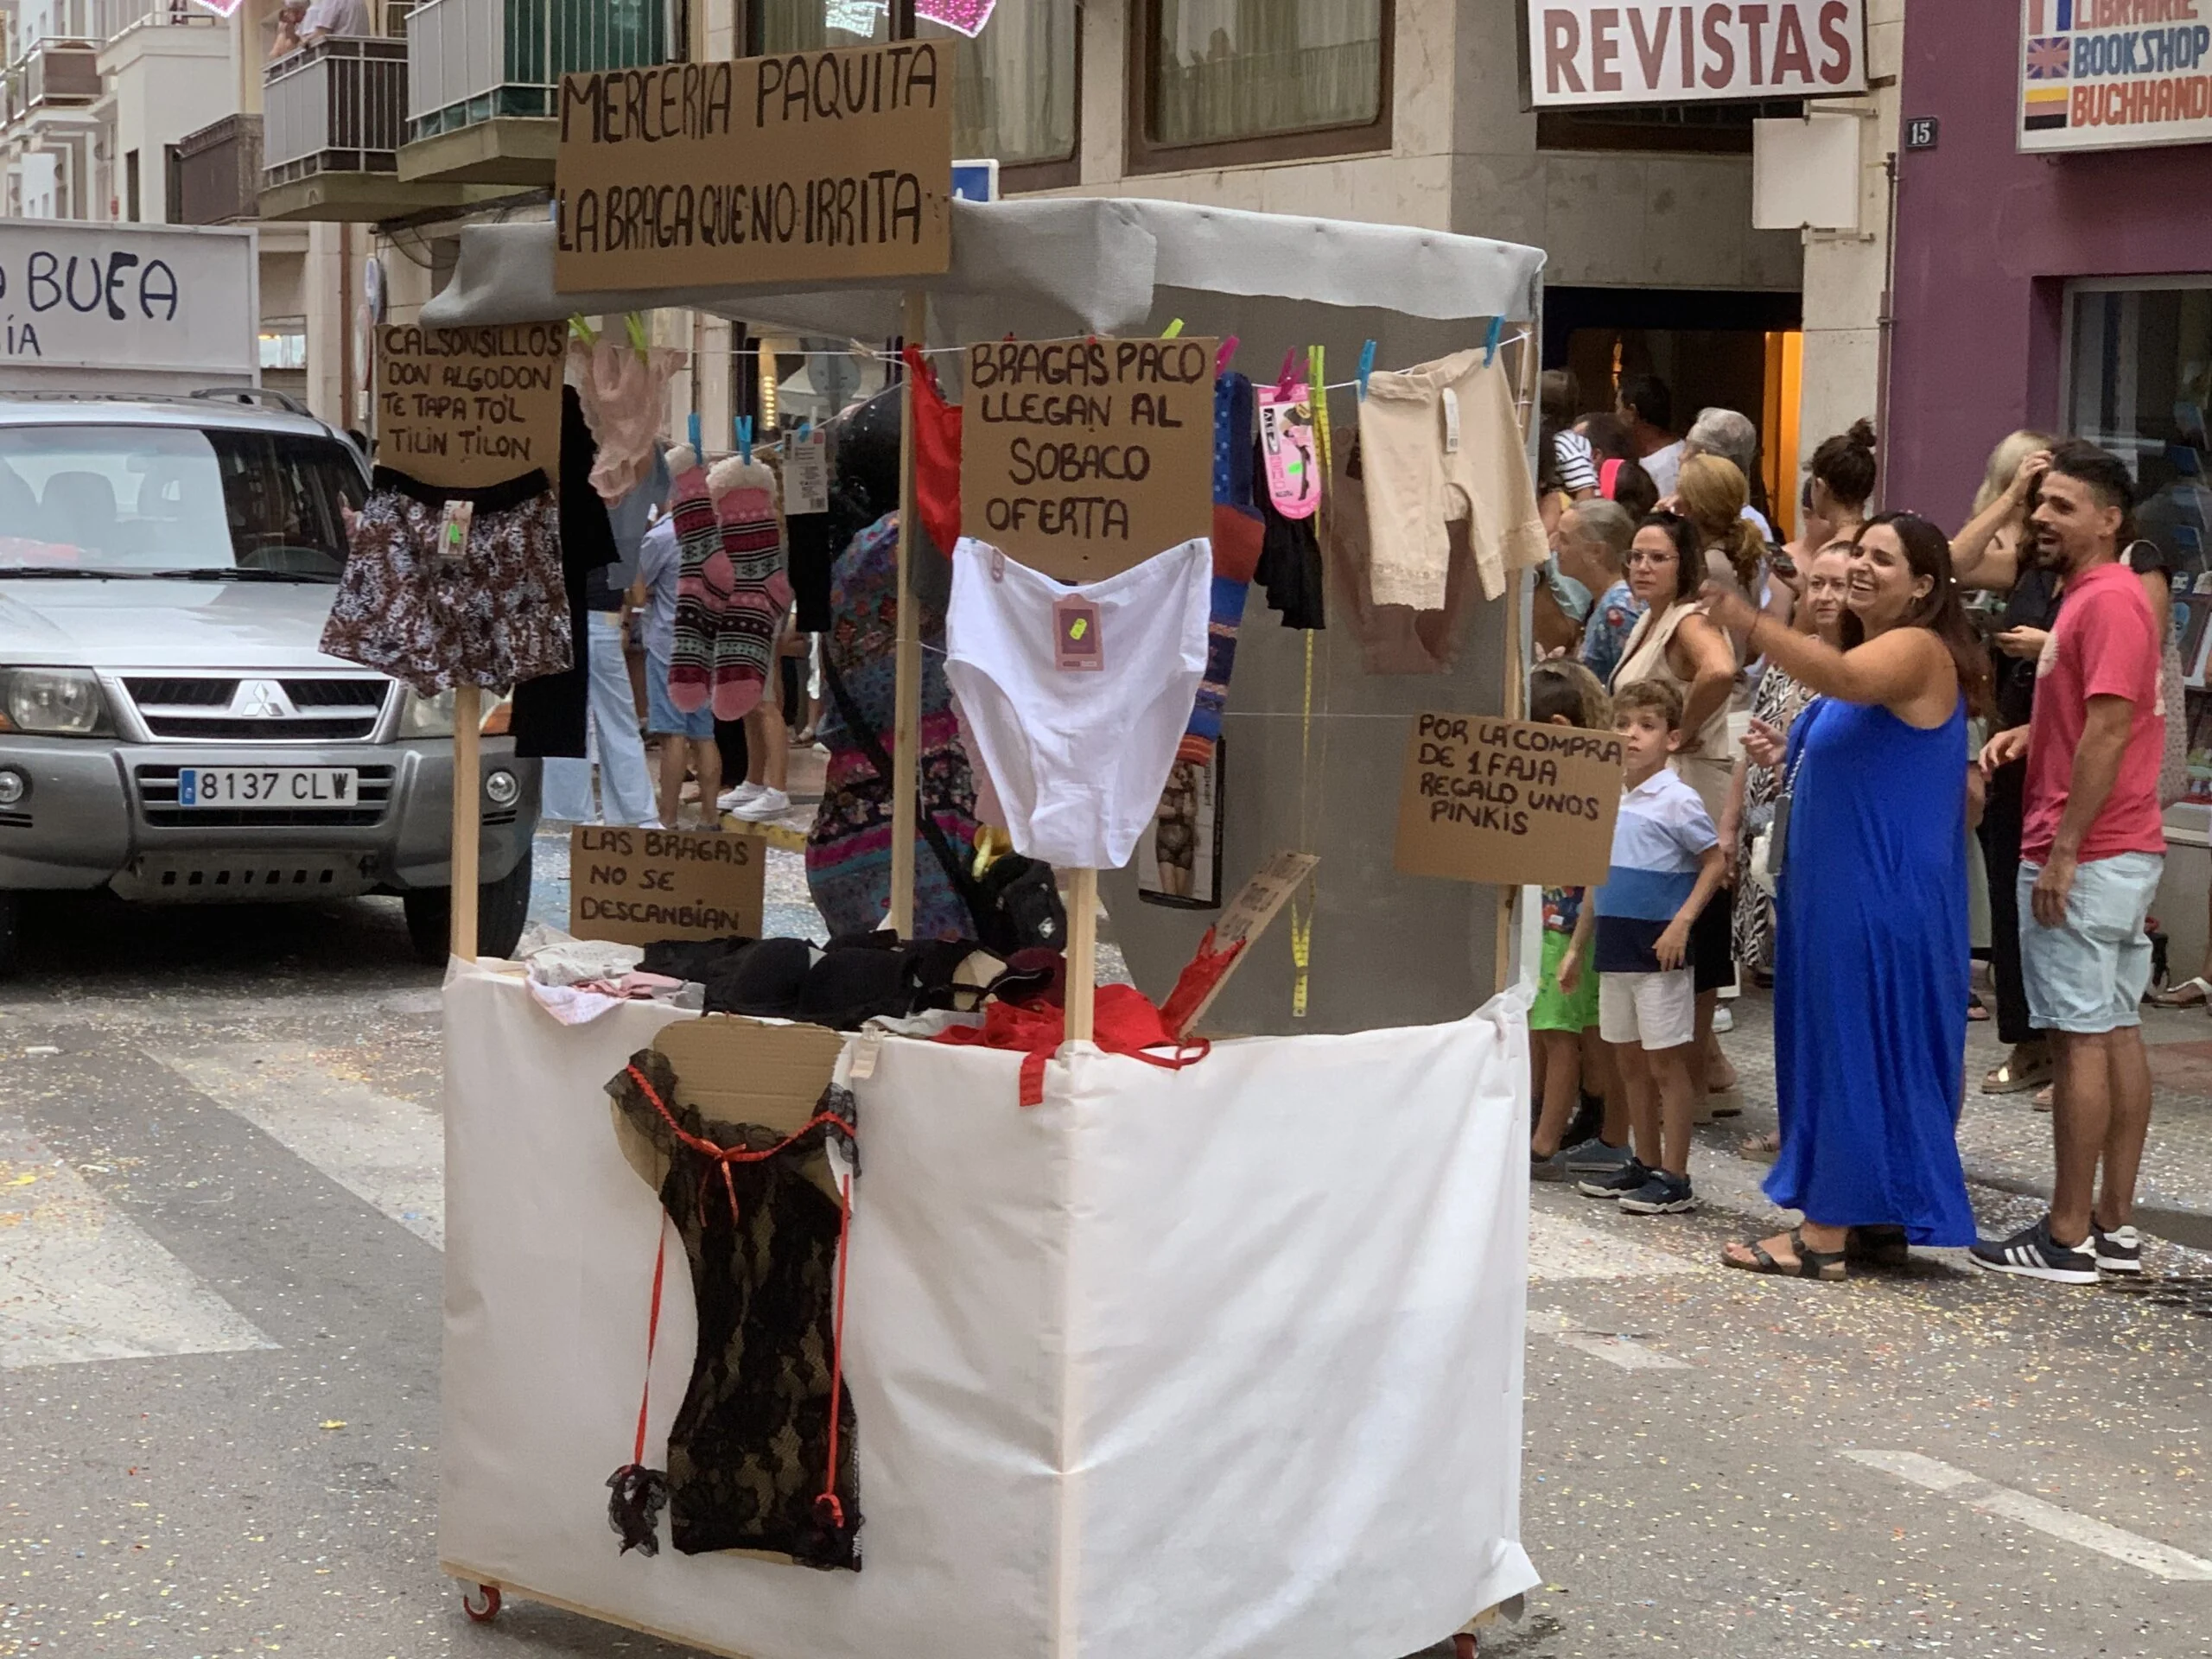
<point x="739" y="1071"/>
<point x="806" y="474"/>
<point x="637" y="885"/>
<point x="1507" y="801"/>
<point x="1246" y="919"/>
<point x="470" y="407"/>
<point x="1082" y="458"/>
<point x="792" y="168"/>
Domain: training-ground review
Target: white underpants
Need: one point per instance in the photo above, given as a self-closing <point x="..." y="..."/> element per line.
<point x="1079" y="758"/>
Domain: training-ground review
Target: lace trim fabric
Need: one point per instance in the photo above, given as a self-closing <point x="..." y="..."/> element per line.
<point x="761" y="1453"/>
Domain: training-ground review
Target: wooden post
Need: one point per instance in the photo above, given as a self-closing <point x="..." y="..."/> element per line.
<point x="1519" y="591"/>
<point x="1082" y="952"/>
<point x="467" y="815"/>
<point x="906" y="761"/>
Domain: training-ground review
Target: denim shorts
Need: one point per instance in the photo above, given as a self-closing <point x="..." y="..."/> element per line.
<point x="663" y="718"/>
<point x="2089" y="975"/>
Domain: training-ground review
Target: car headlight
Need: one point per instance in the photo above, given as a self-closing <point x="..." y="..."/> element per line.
<point x="54" y="703"/>
<point x="421" y="716"/>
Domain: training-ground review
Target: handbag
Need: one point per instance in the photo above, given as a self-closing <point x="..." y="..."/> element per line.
<point x="1016" y="905"/>
<point x="1772" y="845"/>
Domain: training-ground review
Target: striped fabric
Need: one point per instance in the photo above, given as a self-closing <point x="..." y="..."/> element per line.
<point x="691" y="645"/>
<point x="759" y="592"/>
<point x="1662" y="833"/>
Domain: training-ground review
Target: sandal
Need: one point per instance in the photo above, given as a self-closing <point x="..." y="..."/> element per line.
<point x="1881" y="1247"/>
<point x="2013" y="1078"/>
<point x="1976" y="1009"/>
<point x="1761" y="1148"/>
<point x="1827" y="1265"/>
<point x="2195" y="993"/>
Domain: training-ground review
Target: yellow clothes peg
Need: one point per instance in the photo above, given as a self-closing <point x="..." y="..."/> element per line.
<point x="992" y="844"/>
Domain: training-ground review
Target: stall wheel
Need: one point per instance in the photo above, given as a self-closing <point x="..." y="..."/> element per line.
<point x="481" y="1604"/>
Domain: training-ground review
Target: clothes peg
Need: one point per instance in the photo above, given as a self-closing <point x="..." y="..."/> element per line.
<point x="582" y="330"/>
<point x="1288" y="377"/>
<point x="805" y="429"/>
<point x="1366" y="367"/>
<point x="694" y="431"/>
<point x="1172" y="329"/>
<point x="745" y="438"/>
<point x="1490" y="345"/>
<point x="640" y="341"/>
<point x="1221" y="356"/>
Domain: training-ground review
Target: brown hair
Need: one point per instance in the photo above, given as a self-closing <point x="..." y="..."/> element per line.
<point x="1713" y="495"/>
<point x="1655" y="695"/>
<point x="1689" y="565"/>
<point x="1846" y="464"/>
<point x="1562" y="686"/>
<point x="1927" y="553"/>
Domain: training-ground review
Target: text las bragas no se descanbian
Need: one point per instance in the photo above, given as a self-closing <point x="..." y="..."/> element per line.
<point x="737" y="102"/>
<point x="1491" y="775"/>
<point x="1118" y="394"/>
<point x="449" y="391"/>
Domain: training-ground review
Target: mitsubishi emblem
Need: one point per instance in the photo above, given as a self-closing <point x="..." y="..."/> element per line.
<point x="261" y="700"/>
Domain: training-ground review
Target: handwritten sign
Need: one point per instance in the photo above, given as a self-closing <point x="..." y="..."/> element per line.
<point x="1507" y="801"/>
<point x="782" y="169"/>
<point x="1082" y="457"/>
<point x="469" y="407"/>
<point x="637" y="885"/>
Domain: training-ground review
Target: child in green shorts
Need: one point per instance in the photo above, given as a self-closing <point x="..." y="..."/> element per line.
<point x="1564" y="693"/>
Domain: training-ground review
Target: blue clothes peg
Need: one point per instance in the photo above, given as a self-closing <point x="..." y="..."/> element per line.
<point x="694" y="431"/>
<point x="1490" y="346"/>
<point x="744" y="439"/>
<point x="1366" y="367"/>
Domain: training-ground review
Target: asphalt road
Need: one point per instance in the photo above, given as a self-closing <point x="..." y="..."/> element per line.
<point x="220" y="1219"/>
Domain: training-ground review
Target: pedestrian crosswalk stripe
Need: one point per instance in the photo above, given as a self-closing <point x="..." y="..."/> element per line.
<point x="79" y="1281"/>
<point x="387" y="1151"/>
<point x="2160" y="1561"/>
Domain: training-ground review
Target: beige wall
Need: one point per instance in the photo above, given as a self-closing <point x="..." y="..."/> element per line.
<point x="1462" y="157"/>
<point x="1846" y="272"/>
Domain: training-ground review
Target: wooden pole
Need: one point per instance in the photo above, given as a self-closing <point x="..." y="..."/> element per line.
<point x="905" y="762"/>
<point x="467" y="815"/>
<point x="1082" y="953"/>
<point x="1519" y="591"/>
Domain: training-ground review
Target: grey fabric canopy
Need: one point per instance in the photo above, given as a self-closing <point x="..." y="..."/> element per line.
<point x="1056" y="267"/>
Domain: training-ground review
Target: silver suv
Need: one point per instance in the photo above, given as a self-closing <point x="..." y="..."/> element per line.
<point x="168" y="727"/>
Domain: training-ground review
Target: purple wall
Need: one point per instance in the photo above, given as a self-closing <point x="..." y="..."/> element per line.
<point x="1986" y="236"/>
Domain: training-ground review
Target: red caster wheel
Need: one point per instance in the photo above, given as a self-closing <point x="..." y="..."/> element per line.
<point x="482" y="1605"/>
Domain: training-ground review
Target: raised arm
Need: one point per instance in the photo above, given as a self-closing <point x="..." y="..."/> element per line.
<point x="1893" y="670"/>
<point x="1975" y="559"/>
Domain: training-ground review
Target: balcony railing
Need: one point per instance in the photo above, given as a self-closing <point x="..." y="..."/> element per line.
<point x="337" y="107"/>
<point x="112" y="17"/>
<point x="474" y="61"/>
<point x="52" y="73"/>
<point x="217" y="172"/>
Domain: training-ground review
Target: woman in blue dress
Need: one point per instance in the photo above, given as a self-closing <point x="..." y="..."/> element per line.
<point x="1870" y="964"/>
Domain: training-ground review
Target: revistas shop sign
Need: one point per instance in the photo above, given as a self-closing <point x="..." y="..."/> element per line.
<point x="1583" y="52"/>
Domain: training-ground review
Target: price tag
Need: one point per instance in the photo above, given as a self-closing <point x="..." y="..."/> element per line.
<point x="1076" y="640"/>
<point x="806" y="474"/>
<point x="864" y="1056"/>
<point x="453" y="531"/>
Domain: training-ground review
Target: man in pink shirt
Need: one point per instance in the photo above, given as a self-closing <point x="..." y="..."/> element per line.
<point x="2092" y="850"/>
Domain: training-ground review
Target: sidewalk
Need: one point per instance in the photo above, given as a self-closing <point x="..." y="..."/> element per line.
<point x="2007" y="1142"/>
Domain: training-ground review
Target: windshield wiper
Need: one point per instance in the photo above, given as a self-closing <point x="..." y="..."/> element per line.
<point x="61" y="572"/>
<point x="234" y="573"/>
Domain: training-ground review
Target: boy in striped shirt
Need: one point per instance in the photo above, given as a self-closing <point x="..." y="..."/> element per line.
<point x="1666" y="868"/>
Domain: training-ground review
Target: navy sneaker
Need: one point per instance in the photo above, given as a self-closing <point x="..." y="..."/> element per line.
<point x="1594" y="1157"/>
<point x="2031" y="1253"/>
<point x="2119" y="1250"/>
<point x="1553" y="1168"/>
<point x="1662" y="1194"/>
<point x="1627" y="1177"/>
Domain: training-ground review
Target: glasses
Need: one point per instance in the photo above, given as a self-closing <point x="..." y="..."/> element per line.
<point x="1646" y="558"/>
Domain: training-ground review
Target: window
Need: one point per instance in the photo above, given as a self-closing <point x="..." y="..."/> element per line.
<point x="131" y="186"/>
<point x="1014" y="93"/>
<point x="1227" y="81"/>
<point x="2138" y="383"/>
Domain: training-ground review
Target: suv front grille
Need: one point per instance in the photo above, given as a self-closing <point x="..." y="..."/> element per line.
<point x="157" y="800"/>
<point x="182" y="708"/>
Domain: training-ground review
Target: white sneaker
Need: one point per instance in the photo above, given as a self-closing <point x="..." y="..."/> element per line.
<point x="764" y="808"/>
<point x="1724" y="1020"/>
<point x="731" y="800"/>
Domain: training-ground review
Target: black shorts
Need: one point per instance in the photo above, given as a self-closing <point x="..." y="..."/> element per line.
<point x="1712" y="946"/>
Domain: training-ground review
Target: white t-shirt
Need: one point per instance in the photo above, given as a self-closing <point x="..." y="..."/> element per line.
<point x="346" y="17"/>
<point x="1665" y="467"/>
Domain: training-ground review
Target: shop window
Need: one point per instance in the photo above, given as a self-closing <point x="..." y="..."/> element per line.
<point x="1225" y="82"/>
<point x="1015" y="80"/>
